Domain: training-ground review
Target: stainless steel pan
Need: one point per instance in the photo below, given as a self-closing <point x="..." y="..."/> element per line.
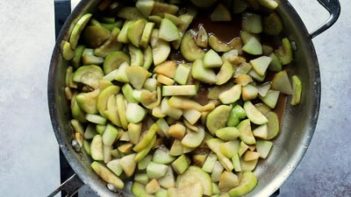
<point x="298" y="122"/>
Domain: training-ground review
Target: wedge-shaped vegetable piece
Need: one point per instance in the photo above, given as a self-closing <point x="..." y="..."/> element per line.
<point x="192" y="116"/>
<point x="245" y="36"/>
<point x="96" y="119"/>
<point x="263" y="89"/>
<point x="261" y="64"/>
<point x="167" y="181"/>
<point x="273" y="125"/>
<point x="220" y="13"/>
<point x="201" y="73"/>
<point x="297" y="87"/>
<point x="183" y="103"/>
<point x="256" y="76"/>
<point x="66" y="50"/>
<point x="194" y="190"/>
<point x="107" y="153"/>
<point x="227" y="181"/>
<point x="110" y="135"/>
<point x="253" y="46"/>
<point x="216" y="172"/>
<point x="147" y="58"/>
<point x="228" y="133"/>
<point x="176" y="148"/>
<point x="245" y="132"/>
<point x="152" y="187"/>
<point x="161" y="193"/>
<point x="270" y="4"/>
<point x="137" y="76"/>
<point x="95" y="35"/>
<point x="236" y="162"/>
<point x="135" y="113"/>
<point x="285" y="53"/>
<point x="134" y="131"/>
<point x="244" y="68"/>
<point x="161" y="155"/>
<point x="182" y="73"/>
<point x="141" y="178"/>
<point x="182" y="90"/>
<point x="253" y="114"/>
<point x="247" y="183"/>
<point x="209" y="163"/>
<point x="193" y="139"/>
<point x="128" y="93"/>
<point x="143" y="163"/>
<point x="181" y="164"/>
<point x="249" y="92"/>
<point x="263" y="108"/>
<point x="215" y="145"/>
<point x="77" y="55"/>
<point x="156" y="170"/>
<point x="160" y="51"/>
<point x="252" y="23"/>
<point x="167" y="68"/>
<point x="77" y="113"/>
<point x="100" y="129"/>
<point x="111" y="113"/>
<point x="107" y="175"/>
<point x="229" y="148"/>
<point x="121" y="109"/>
<point x="150" y="84"/>
<point x="261" y="132"/>
<point x="263" y="148"/>
<point x="177" y="131"/>
<point x="189" y="49"/>
<point x="168" y="30"/>
<point x="114" y="60"/>
<point x="231" y="95"/>
<point x="225" y="73"/>
<point x="88" y="57"/>
<point x="146" y="139"/>
<point x="242" y="148"/>
<point x="97" y="148"/>
<point x="136" y="56"/>
<point x="110" y="45"/>
<point x="217" y="118"/>
<point x="203" y="3"/>
<point x="135" y="32"/>
<point x="220" y="46"/>
<point x="195" y="175"/>
<point x="78" y="28"/>
<point x="250" y="156"/>
<point x="169" y="110"/>
<point x="271" y="98"/>
<point x="201" y="38"/>
<point x="118" y="74"/>
<point x="275" y="65"/>
<point x="123" y="34"/>
<point x="89" y="75"/>
<point x="138" y="190"/>
<point x="87" y="101"/>
<point x="130" y="13"/>
<point x="115" y="166"/>
<point x="128" y="164"/>
<point x="239" y="6"/>
<point x="104" y="96"/>
<point x="143" y="153"/>
<point x="161" y="8"/>
<point x="145" y="7"/>
<point x="212" y="59"/>
<point x="272" y="25"/>
<point x="281" y="82"/>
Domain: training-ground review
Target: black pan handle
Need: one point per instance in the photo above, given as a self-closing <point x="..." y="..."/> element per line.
<point x="69" y="187"/>
<point x="333" y="7"/>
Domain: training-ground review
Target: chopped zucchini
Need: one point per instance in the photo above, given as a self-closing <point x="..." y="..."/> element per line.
<point x="217" y="118"/>
<point x="189" y="49"/>
<point x="179" y="90"/>
<point x="220" y="13"/>
<point x="89" y="75"/>
<point x="212" y="59"/>
<point x="297" y="87"/>
<point x="168" y="31"/>
<point x="114" y="60"/>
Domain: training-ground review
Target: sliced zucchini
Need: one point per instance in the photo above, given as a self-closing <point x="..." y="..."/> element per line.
<point x="135" y="113"/>
<point x="123" y="34"/>
<point x="110" y="45"/>
<point x="137" y="76"/>
<point x="88" y="57"/>
<point x="209" y="163"/>
<point x="107" y="175"/>
<point x="216" y="173"/>
<point x="167" y="68"/>
<point x="168" y="30"/>
<point x="220" y="46"/>
<point x="281" y="82"/>
<point x="284" y="52"/>
<point x="87" y="101"/>
<point x="96" y="119"/>
<point x="273" y="125"/>
<point x="152" y="187"/>
<point x="252" y="23"/>
<point x="67" y="52"/>
<point x="271" y="98"/>
<point x="230" y="148"/>
<point x="89" y="75"/>
<point x="135" y="32"/>
<point x="253" y="46"/>
<point x="261" y="64"/>
<point x="272" y="24"/>
<point x="203" y="74"/>
<point x="227" y="181"/>
<point x="261" y="132"/>
<point x="145" y="7"/>
<point x="114" y="61"/>
<point x="217" y="118"/>
<point x="95" y="35"/>
<point x="189" y="49"/>
<point x="228" y="133"/>
<point x="167" y="181"/>
<point x="297" y="87"/>
<point x="78" y="28"/>
<point x="136" y="56"/>
<point x="247" y="183"/>
<point x="270" y="4"/>
<point x="193" y="139"/>
<point x="96" y="148"/>
<point x="181" y="90"/>
<point x="225" y="73"/>
<point x="195" y="175"/>
<point x="192" y="116"/>
<point x="160" y="51"/>
<point x="121" y="108"/>
<point x="104" y="96"/>
<point x="128" y="164"/>
<point x="275" y="65"/>
<point x="246" y="134"/>
<point x="130" y="13"/>
<point x="263" y="148"/>
<point x="182" y="73"/>
<point x="249" y="92"/>
<point x="239" y="6"/>
<point x="181" y="164"/>
<point x="220" y="13"/>
<point x="161" y="8"/>
<point x="212" y="59"/>
<point x="253" y="114"/>
<point x="134" y="132"/>
<point x="201" y="38"/>
<point x="147" y="58"/>
<point x="110" y="135"/>
<point x="231" y="95"/>
<point x="147" y="138"/>
<point x="145" y="37"/>
<point x="156" y="170"/>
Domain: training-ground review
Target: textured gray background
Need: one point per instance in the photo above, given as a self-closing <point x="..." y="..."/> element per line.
<point x="29" y="163"/>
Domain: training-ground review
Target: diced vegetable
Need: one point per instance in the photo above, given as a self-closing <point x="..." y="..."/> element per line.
<point x="217" y="118"/>
<point x="195" y="175"/>
<point x="297" y="87"/>
<point x="107" y="175"/>
<point x="181" y="164"/>
<point x="281" y="82"/>
<point x="189" y="49"/>
<point x="168" y="30"/>
<point x="156" y="170"/>
<point x="247" y="182"/>
<point x="253" y="114"/>
<point x="220" y="13"/>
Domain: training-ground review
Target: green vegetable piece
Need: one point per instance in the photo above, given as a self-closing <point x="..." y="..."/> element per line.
<point x="176" y="148"/>
<point x="161" y="8"/>
<point x="136" y="56"/>
<point x="78" y="28"/>
<point x="147" y="58"/>
<point x="128" y="93"/>
<point x="216" y="174"/>
<point x="194" y="175"/>
<point x="297" y="87"/>
<point x="161" y="193"/>
<point x="130" y="13"/>
<point x="134" y="131"/>
<point x="67" y="51"/>
<point x="110" y="135"/>
<point x="77" y="55"/>
<point x="143" y="163"/>
<point x="228" y="133"/>
<point x="270" y="4"/>
<point x="138" y="190"/>
<point x="263" y="148"/>
<point x="239" y="6"/>
<point x="89" y="75"/>
<point x="275" y="65"/>
<point x="236" y="162"/>
<point x="114" y="60"/>
<point x="247" y="183"/>
<point x="135" y="32"/>
<point x="146" y="139"/>
<point x="225" y="73"/>
<point x="115" y="166"/>
<point x="156" y="19"/>
<point x="144" y="153"/>
<point x="273" y="125"/>
<point x="281" y="82"/>
<point x="271" y="98"/>
<point x="231" y="95"/>
<point x="161" y="155"/>
<point x="169" y="110"/>
<point x="90" y="131"/>
<point x="189" y="49"/>
<point x="203" y="3"/>
<point x="145" y="7"/>
<point x="137" y="76"/>
<point x="160" y="51"/>
<point x="272" y="24"/>
<point x="209" y="163"/>
<point x="215" y="145"/>
<point x="201" y="38"/>
<point x="168" y="31"/>
<point x="181" y="90"/>
<point x="217" y="118"/>
<point x="97" y="148"/>
<point x="253" y="46"/>
<point x="236" y="114"/>
<point x="152" y="187"/>
<point x="123" y="34"/>
<point x="87" y="101"/>
<point x="182" y="74"/>
<point x="95" y="35"/>
<point x="220" y="13"/>
<point x="107" y="175"/>
<point x="194" y="190"/>
<point x="86" y="146"/>
<point x="285" y="53"/>
<point x="246" y="134"/>
<point x="229" y="148"/>
<point x="96" y="119"/>
<point x="212" y="59"/>
<point x="128" y="164"/>
<point x="110" y="45"/>
<point x="135" y="113"/>
<point x="261" y="64"/>
<point x="220" y="46"/>
<point x="253" y="114"/>
<point x="261" y="131"/>
<point x="192" y="116"/>
<point x="156" y="170"/>
<point x="77" y="113"/>
<point x="227" y="181"/>
<point x="88" y="57"/>
<point x="252" y="23"/>
<point x="193" y="139"/>
<point x="104" y="96"/>
<point x="181" y="164"/>
<point x="145" y="37"/>
<point x="121" y="109"/>
<point x="203" y="74"/>
<point x="100" y="129"/>
<point x="256" y="76"/>
<point x="141" y="178"/>
<point x="249" y="92"/>
<point x="112" y="112"/>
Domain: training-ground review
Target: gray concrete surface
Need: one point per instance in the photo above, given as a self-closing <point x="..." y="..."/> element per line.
<point x="28" y="150"/>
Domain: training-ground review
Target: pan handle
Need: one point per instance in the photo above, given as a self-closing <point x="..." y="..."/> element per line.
<point x="333" y="7"/>
<point x="69" y="187"/>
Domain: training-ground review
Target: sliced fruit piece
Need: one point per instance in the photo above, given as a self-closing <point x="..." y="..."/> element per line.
<point x="253" y="46"/>
<point x="156" y="170"/>
<point x="135" y="113"/>
<point x="271" y="98"/>
<point x="152" y="187"/>
<point x="192" y="116"/>
<point x="272" y="24"/>
<point x="225" y="73"/>
<point x="78" y="28"/>
<point x="297" y="87"/>
<point x="281" y="82"/>
<point x="104" y="96"/>
<point x="212" y="59"/>
<point x="114" y="60"/>
<point x="227" y="181"/>
<point x="217" y="118"/>
<point x="220" y="13"/>
<point x="201" y="73"/>
<point x="189" y="49"/>
<point x="209" y="163"/>
<point x="135" y="32"/>
<point x="261" y="64"/>
<point x="261" y="132"/>
<point x="96" y="148"/>
<point x="167" y="181"/>
<point x="168" y="30"/>
<point x="128" y="164"/>
<point x="263" y="148"/>
<point x="88" y="75"/>
<point x="284" y="52"/>
<point x="193" y="139"/>
<point x="136" y="56"/>
<point x="177" y="131"/>
<point x="231" y="95"/>
<point x="182" y="73"/>
<point x="195" y="175"/>
<point x="273" y="125"/>
<point x="249" y="92"/>
<point x="181" y="164"/>
<point x="228" y="133"/>
<point x="203" y="4"/>
<point x="245" y="132"/>
<point x="107" y="175"/>
<point x="148" y="58"/>
<point x="247" y="183"/>
<point x="137" y="76"/>
<point x="145" y="7"/>
<point x="253" y="114"/>
<point x="123" y="34"/>
<point x="270" y="4"/>
<point x="130" y="13"/>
